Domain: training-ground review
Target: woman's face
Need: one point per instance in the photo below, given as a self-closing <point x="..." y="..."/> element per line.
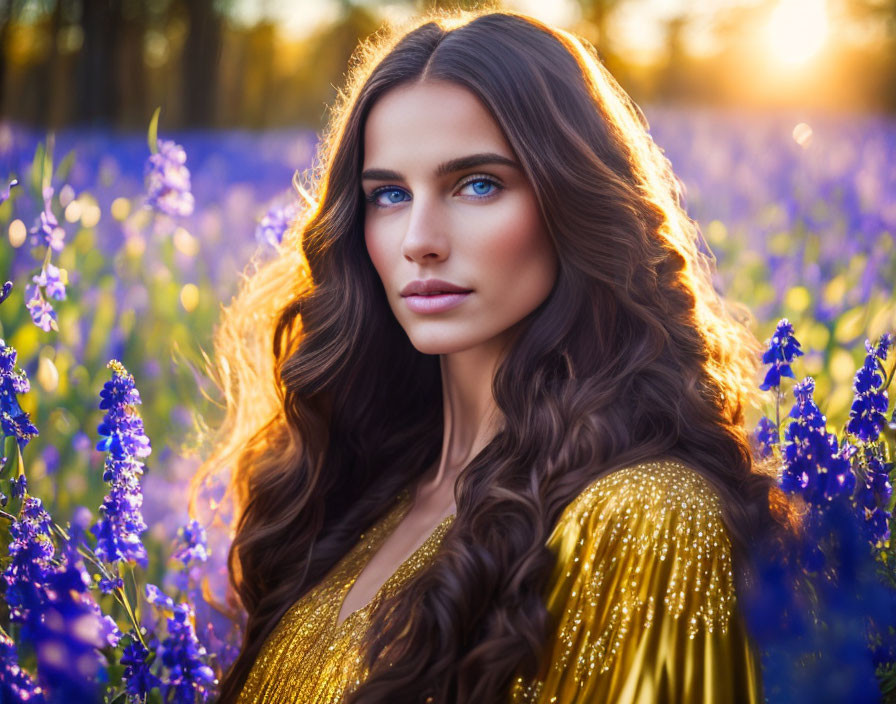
<point x="447" y="199"/>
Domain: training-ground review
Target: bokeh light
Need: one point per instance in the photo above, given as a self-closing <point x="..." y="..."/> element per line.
<point x="797" y="30"/>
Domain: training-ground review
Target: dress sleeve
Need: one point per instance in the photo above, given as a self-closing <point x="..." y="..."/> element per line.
<point x="642" y="597"/>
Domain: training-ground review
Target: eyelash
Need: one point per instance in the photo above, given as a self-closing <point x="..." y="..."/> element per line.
<point x="476" y="178"/>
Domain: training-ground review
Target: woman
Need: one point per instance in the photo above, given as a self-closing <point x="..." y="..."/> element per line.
<point x="498" y="451"/>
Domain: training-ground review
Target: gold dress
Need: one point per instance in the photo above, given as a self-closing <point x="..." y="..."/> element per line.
<point x="642" y="596"/>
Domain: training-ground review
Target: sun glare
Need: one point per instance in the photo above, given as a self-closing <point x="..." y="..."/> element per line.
<point x="797" y="29"/>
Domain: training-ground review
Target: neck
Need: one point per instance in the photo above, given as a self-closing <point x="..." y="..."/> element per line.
<point x="471" y="416"/>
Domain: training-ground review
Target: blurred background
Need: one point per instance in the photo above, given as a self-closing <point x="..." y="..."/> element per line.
<point x="777" y="117"/>
<point x="275" y="63"/>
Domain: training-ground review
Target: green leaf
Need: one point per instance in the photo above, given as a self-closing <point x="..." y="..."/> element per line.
<point x="65" y="166"/>
<point x="152" y="136"/>
<point x="46" y="172"/>
<point x="11" y="453"/>
<point x="37" y="165"/>
<point x="120" y="697"/>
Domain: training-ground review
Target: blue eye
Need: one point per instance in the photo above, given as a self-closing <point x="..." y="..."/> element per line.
<point x="483" y="189"/>
<point x="375" y="196"/>
<point x="478" y="185"/>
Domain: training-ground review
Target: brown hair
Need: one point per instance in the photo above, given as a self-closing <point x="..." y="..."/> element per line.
<point x="331" y="411"/>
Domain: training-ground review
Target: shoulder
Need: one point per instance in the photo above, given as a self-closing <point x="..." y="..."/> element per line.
<point x="656" y="529"/>
<point x="644" y="505"/>
<point x="653" y="491"/>
<point x="642" y="596"/>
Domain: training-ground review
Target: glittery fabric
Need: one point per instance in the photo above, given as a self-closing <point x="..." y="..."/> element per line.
<point x="642" y="598"/>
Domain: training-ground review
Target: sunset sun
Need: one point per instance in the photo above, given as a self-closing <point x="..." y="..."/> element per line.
<point x="796" y="30"/>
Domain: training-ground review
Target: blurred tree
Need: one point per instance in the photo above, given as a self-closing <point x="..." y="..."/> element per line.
<point x="594" y="26"/>
<point x="423" y="5"/>
<point x="8" y="11"/>
<point x="597" y="14"/>
<point x="677" y="79"/>
<point x="98" y="96"/>
<point x="200" y="60"/>
<point x="109" y="62"/>
<point x="877" y="17"/>
<point x="131" y="74"/>
<point x="329" y="51"/>
<point x="254" y="77"/>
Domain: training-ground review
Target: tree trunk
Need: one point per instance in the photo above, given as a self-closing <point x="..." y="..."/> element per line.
<point x="199" y="63"/>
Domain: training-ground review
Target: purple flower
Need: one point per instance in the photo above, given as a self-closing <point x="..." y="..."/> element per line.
<point x="31" y="554"/>
<point x="50" y="455"/>
<point x="81" y="442"/>
<point x="765" y="436"/>
<point x="121" y="435"/>
<point x="874" y="491"/>
<point x="4" y="194"/>
<point x="107" y="586"/>
<point x="18" y="487"/>
<point x="168" y="180"/>
<point x="139" y="681"/>
<point x="275" y="223"/>
<point x="158" y="598"/>
<point x="782" y="350"/>
<point x="51" y="278"/>
<point x="42" y="313"/>
<point x="46" y="226"/>
<point x="814" y="465"/>
<point x="867" y="415"/>
<point x="187" y="675"/>
<point x="16" y="685"/>
<point x="47" y="595"/>
<point x="7" y="289"/>
<point x="194" y="543"/>
<point x="66" y="634"/>
<point x="13" y="381"/>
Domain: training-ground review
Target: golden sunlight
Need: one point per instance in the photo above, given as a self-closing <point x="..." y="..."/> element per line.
<point x="796" y="30"/>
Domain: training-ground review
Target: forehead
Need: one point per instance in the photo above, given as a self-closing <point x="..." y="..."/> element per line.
<point x="429" y="122"/>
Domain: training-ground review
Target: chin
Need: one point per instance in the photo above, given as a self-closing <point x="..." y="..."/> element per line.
<point x="429" y="346"/>
<point x="443" y="343"/>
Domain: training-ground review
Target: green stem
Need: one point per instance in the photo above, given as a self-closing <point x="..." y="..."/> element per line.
<point x="127" y="607"/>
<point x="136" y="590"/>
<point x="21" y="459"/>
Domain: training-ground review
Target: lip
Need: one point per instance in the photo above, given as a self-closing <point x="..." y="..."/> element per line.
<point x="433" y="295"/>
<point x="435" y="303"/>
<point x="424" y="287"/>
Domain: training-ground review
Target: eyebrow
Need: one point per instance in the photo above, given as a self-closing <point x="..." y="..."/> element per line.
<point x="447" y="167"/>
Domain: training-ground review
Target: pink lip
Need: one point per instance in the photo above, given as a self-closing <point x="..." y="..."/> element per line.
<point x="431" y="286"/>
<point x="436" y="303"/>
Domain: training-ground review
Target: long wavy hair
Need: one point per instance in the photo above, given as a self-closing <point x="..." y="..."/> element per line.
<point x="331" y="412"/>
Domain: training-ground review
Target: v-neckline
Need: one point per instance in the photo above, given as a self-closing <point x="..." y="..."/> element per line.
<point x="372" y="546"/>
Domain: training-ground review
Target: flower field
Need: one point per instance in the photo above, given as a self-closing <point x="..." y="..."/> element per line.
<point x="121" y="250"/>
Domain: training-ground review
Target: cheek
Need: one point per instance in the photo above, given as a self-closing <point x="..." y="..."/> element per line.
<point x="519" y="249"/>
<point x="376" y="250"/>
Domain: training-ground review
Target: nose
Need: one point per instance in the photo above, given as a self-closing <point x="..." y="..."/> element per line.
<point x="426" y="237"/>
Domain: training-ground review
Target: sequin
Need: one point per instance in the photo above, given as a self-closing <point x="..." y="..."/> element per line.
<point x="642" y="598"/>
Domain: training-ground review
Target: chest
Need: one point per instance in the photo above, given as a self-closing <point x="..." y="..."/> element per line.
<point x="386" y="555"/>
